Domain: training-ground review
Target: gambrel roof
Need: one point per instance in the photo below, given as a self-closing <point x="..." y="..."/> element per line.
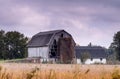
<point x="43" y="38"/>
<point x="94" y="51"/>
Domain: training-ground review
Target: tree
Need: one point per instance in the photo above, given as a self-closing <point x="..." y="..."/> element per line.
<point x="16" y="45"/>
<point x="116" y="45"/>
<point x="84" y="56"/>
<point x="2" y="44"/>
<point x="12" y="45"/>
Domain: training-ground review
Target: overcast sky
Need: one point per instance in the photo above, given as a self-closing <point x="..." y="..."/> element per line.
<point x="87" y="21"/>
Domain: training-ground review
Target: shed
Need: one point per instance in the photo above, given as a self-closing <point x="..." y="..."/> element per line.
<point x="97" y="54"/>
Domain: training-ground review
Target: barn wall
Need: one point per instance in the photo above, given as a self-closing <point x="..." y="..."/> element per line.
<point x="57" y="38"/>
<point x="58" y="35"/>
<point x="38" y="52"/>
<point x="66" y="50"/>
<point x="65" y="35"/>
<point x="95" y="60"/>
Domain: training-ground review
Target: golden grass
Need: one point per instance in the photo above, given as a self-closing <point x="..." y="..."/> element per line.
<point x="55" y="71"/>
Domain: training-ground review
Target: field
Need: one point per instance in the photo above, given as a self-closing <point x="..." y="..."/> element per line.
<point x="58" y="71"/>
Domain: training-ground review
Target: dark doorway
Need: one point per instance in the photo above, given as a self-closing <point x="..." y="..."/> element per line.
<point x="53" y="53"/>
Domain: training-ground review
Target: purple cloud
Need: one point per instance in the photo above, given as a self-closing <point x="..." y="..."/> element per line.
<point x="93" y="21"/>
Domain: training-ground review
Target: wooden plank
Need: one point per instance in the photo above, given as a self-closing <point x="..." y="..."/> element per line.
<point x="66" y="50"/>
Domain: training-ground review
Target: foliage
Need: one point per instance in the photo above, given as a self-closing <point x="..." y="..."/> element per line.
<point x="31" y="74"/>
<point x="116" y="74"/>
<point x="12" y="45"/>
<point x="84" y="56"/>
<point x="2" y="44"/>
<point x="116" y="45"/>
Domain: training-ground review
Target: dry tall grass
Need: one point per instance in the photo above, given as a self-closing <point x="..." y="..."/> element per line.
<point x="54" y="71"/>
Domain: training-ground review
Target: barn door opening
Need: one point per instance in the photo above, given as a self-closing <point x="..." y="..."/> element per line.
<point x="53" y="52"/>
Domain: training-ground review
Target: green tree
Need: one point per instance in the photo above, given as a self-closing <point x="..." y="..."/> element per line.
<point x="116" y="45"/>
<point x="2" y="44"/>
<point x="84" y="56"/>
<point x="16" y="45"/>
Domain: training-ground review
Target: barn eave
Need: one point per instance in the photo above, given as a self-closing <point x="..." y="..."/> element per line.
<point x="37" y="46"/>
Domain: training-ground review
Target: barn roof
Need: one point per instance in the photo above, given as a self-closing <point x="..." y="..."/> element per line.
<point x="42" y="38"/>
<point x="49" y="32"/>
<point x="94" y="51"/>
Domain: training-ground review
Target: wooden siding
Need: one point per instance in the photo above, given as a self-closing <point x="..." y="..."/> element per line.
<point x="66" y="50"/>
<point x="38" y="52"/>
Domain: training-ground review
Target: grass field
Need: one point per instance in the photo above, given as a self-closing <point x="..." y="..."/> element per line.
<point x="58" y="71"/>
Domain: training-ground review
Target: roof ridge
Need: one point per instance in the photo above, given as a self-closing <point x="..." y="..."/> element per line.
<point x="48" y="32"/>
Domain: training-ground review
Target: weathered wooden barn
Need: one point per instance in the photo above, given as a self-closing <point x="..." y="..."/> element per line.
<point x="57" y="45"/>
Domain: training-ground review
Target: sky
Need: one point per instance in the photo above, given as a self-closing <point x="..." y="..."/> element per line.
<point x="94" y="21"/>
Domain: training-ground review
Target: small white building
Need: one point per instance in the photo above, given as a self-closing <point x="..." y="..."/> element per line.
<point x="95" y="54"/>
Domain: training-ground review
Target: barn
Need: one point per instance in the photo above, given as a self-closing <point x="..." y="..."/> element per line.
<point x="56" y="45"/>
<point x="91" y="54"/>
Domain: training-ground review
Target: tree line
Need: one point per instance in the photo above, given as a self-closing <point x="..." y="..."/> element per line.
<point x="113" y="51"/>
<point x="12" y="45"/>
<point x="115" y="46"/>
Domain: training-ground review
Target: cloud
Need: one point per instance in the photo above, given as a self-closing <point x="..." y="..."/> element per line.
<point x="87" y="20"/>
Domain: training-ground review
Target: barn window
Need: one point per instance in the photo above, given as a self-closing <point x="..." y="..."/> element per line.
<point x="55" y="42"/>
<point x="101" y="59"/>
<point x="62" y="35"/>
